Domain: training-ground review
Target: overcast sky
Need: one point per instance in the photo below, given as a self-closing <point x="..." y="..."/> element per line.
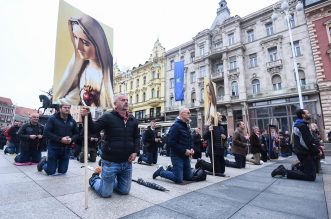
<point x="28" y="34"/>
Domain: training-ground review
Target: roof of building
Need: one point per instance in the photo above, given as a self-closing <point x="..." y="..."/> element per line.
<point x="23" y="111"/>
<point x="6" y="101"/>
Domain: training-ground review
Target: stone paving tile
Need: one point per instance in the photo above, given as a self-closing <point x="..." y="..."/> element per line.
<point x="48" y="208"/>
<point x="287" y="204"/>
<point x="10" y="178"/>
<point x="157" y="212"/>
<point x="199" y="205"/>
<point x="21" y="192"/>
<point x="114" y="207"/>
<point x="253" y="212"/>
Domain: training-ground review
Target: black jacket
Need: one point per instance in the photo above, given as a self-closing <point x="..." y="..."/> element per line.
<point x="56" y="128"/>
<point x="255" y="143"/>
<point x="121" y="140"/>
<point x="303" y="139"/>
<point x="24" y="133"/>
<point x="12" y="132"/>
<point x="217" y="139"/>
<point x="149" y="139"/>
<point x="179" y="139"/>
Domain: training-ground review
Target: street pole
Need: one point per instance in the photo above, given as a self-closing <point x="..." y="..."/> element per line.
<point x="294" y="60"/>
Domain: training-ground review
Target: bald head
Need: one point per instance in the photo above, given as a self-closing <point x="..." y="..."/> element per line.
<point x="34" y="118"/>
<point x="185" y="114"/>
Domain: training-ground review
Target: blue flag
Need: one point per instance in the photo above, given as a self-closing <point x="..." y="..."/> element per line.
<point x="179" y="80"/>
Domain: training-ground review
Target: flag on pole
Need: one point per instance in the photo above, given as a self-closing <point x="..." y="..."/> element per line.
<point x="179" y="80"/>
<point x="210" y="103"/>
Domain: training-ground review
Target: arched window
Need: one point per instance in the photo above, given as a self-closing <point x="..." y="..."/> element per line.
<point x="137" y="98"/>
<point x="277" y="82"/>
<point x="234" y="89"/>
<point x="193" y="97"/>
<point x="152" y="93"/>
<point x="130" y="99"/>
<point x="220" y="91"/>
<point x="144" y="97"/>
<point x="256" y="86"/>
<point x="302" y="77"/>
<point x="157" y="93"/>
<point x="171" y="101"/>
<point x="144" y="80"/>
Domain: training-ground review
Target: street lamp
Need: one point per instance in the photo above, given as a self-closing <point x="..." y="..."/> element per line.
<point x="285" y="9"/>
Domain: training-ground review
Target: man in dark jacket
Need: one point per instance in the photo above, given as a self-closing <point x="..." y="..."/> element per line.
<point x="31" y="135"/>
<point x="14" y="142"/>
<point x="61" y="131"/>
<point x="304" y="148"/>
<point x="255" y="146"/>
<point x="219" y="138"/>
<point x="180" y="142"/>
<point x="120" y="148"/>
<point x="239" y="147"/>
<point x="151" y="143"/>
<point x="197" y="143"/>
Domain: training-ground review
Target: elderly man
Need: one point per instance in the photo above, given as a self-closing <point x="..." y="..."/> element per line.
<point x="119" y="150"/>
<point x="151" y="142"/>
<point x="180" y="142"/>
<point x="31" y="135"/>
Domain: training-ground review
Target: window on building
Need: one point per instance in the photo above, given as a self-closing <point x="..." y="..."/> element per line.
<point x="202" y="71"/>
<point x="250" y="36"/>
<point x="131" y="99"/>
<point x="182" y="58"/>
<point x="153" y="93"/>
<point x="144" y="80"/>
<point x="171" y="101"/>
<point x="231" y="39"/>
<point x="253" y="60"/>
<point x="192" y="56"/>
<point x="193" y="97"/>
<point x="157" y="93"/>
<point x="218" y="44"/>
<point x="302" y="77"/>
<point x="158" y="75"/>
<point x="151" y="112"/>
<point x="144" y="97"/>
<point x="219" y="68"/>
<point x="232" y="62"/>
<point x="137" y="98"/>
<point x="297" y="49"/>
<point x="192" y="77"/>
<point x="234" y="89"/>
<point x="272" y="54"/>
<point x="292" y="21"/>
<point x="153" y="75"/>
<point x="276" y="82"/>
<point x="202" y="50"/>
<point x="172" y="64"/>
<point x="202" y="93"/>
<point x="220" y="91"/>
<point x="256" y="86"/>
<point x="269" y="28"/>
<point x="131" y="85"/>
<point x="172" y="83"/>
<point x="137" y="83"/>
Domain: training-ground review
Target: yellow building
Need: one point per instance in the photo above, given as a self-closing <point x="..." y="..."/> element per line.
<point x="144" y="86"/>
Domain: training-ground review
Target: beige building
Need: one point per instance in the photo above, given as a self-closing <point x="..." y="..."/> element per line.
<point x="249" y="58"/>
<point x="144" y="86"/>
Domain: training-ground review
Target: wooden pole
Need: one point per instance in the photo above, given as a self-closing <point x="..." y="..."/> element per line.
<point x="212" y="151"/>
<point x="85" y="160"/>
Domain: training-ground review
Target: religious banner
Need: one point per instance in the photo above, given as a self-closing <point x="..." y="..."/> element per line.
<point x="210" y="102"/>
<point x="83" y="72"/>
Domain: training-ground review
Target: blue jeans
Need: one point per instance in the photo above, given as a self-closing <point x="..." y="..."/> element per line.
<point x="147" y="157"/>
<point x="181" y="170"/>
<point x="114" y="176"/>
<point x="57" y="158"/>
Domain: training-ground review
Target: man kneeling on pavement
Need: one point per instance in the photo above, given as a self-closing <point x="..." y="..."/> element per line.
<point x="180" y="143"/>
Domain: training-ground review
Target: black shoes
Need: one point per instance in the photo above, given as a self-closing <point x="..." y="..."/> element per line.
<point x="139" y="159"/>
<point x="198" y="164"/>
<point x="279" y="171"/>
<point x="157" y="172"/>
<point x="41" y="164"/>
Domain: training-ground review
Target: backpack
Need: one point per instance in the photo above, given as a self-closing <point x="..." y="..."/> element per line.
<point x="199" y="175"/>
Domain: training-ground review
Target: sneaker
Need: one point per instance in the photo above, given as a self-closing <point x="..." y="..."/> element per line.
<point x="157" y="172"/>
<point x="198" y="164"/>
<point x="280" y="170"/>
<point x="41" y="163"/>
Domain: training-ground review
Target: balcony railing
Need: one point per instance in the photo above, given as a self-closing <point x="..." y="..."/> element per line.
<point x="275" y="64"/>
<point x="217" y="75"/>
<point x="234" y="97"/>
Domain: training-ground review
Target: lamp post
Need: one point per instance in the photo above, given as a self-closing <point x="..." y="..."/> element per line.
<point x="285" y="9"/>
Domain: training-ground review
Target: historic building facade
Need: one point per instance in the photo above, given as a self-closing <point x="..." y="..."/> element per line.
<point x="250" y="61"/>
<point x="6" y="111"/>
<point x="144" y="86"/>
<point x="318" y="15"/>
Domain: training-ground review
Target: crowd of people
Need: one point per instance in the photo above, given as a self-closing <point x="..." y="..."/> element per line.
<point x="116" y="138"/>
